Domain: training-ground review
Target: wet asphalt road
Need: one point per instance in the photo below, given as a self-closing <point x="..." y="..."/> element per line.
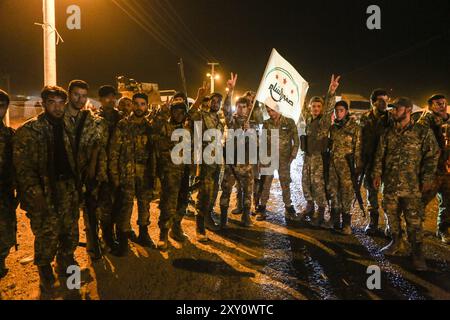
<point x="268" y="261"/>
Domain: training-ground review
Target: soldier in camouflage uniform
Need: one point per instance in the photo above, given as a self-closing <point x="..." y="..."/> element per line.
<point x="131" y="170"/>
<point x="406" y="161"/>
<point x="8" y="202"/>
<point x="109" y="196"/>
<point x="48" y="185"/>
<point x="438" y="120"/>
<point x="345" y="151"/>
<point x="374" y="123"/>
<point x="317" y="126"/>
<point x="288" y="146"/>
<point x="235" y="172"/>
<point x="174" y="177"/>
<point x="82" y="127"/>
<point x="256" y="119"/>
<point x="209" y="173"/>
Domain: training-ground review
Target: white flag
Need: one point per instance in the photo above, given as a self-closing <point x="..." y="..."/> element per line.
<point x="282" y="88"/>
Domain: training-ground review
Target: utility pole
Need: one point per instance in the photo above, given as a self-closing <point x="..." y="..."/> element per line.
<point x="213" y="75"/>
<point x="49" y="28"/>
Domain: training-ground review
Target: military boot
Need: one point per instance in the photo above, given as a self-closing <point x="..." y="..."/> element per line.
<point x="223" y="217"/>
<point x="346" y="224"/>
<point x="261" y="213"/>
<point x="47" y="279"/>
<point x="3" y="269"/>
<point x="62" y="265"/>
<point x="144" y="238"/>
<point x="201" y="230"/>
<point x="240" y="203"/>
<point x="418" y="259"/>
<point x="122" y="247"/>
<point x="308" y="212"/>
<point x="291" y="215"/>
<point x="395" y="247"/>
<point x="108" y="235"/>
<point x="210" y="223"/>
<point x="176" y="232"/>
<point x="246" y="220"/>
<point x="372" y="227"/>
<point x="335" y="219"/>
<point x="163" y="243"/>
<point x="319" y="218"/>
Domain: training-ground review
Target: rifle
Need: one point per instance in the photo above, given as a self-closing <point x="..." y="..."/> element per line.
<point x="326" y="158"/>
<point x="356" y="184"/>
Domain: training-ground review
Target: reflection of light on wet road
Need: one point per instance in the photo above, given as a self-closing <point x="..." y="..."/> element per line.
<point x="282" y="258"/>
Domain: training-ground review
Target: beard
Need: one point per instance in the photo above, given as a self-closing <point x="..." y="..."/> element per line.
<point x="139" y="113"/>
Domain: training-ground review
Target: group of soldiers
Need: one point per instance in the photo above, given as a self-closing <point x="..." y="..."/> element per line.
<point x="70" y="158"/>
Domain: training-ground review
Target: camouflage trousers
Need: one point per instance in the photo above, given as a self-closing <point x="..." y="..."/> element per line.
<point x="174" y="195"/>
<point x="8" y="225"/>
<point x="441" y="189"/>
<point x="208" y="189"/>
<point x="244" y="175"/>
<point x="372" y="193"/>
<point x="340" y="185"/>
<point x="109" y="203"/>
<point x="143" y="195"/>
<point x="256" y="187"/>
<point x="313" y="182"/>
<point x="284" y="173"/>
<point x="56" y="230"/>
<point x="413" y="211"/>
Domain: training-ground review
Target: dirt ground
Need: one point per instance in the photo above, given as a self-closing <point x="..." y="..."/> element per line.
<point x="268" y="261"/>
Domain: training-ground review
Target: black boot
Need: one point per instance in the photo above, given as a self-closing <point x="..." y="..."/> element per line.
<point x="308" y="212"/>
<point x="346" y="224"/>
<point x="261" y="213"/>
<point x="63" y="263"/>
<point x="3" y="269"/>
<point x="336" y="219"/>
<point x="319" y="218"/>
<point x="122" y="247"/>
<point x="291" y="215"/>
<point x="395" y="247"/>
<point x="163" y="243"/>
<point x="246" y="220"/>
<point x="108" y="236"/>
<point x="418" y="259"/>
<point x="46" y="278"/>
<point x="372" y="228"/>
<point x="176" y="232"/>
<point x="223" y="217"/>
<point x="144" y="238"/>
<point x="210" y="223"/>
<point x="201" y="230"/>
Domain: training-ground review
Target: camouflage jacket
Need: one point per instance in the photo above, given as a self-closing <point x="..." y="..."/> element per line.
<point x="131" y="153"/>
<point x="317" y="128"/>
<point x="406" y="158"/>
<point x="107" y="121"/>
<point x="164" y="145"/>
<point x="33" y="154"/>
<point x="374" y="124"/>
<point x="209" y="121"/>
<point x="235" y="122"/>
<point x="346" y="140"/>
<point x="85" y="138"/>
<point x="289" y="141"/>
<point x="436" y="123"/>
<point x="6" y="163"/>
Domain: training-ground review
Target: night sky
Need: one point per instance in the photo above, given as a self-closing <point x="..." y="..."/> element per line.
<point x="410" y="55"/>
